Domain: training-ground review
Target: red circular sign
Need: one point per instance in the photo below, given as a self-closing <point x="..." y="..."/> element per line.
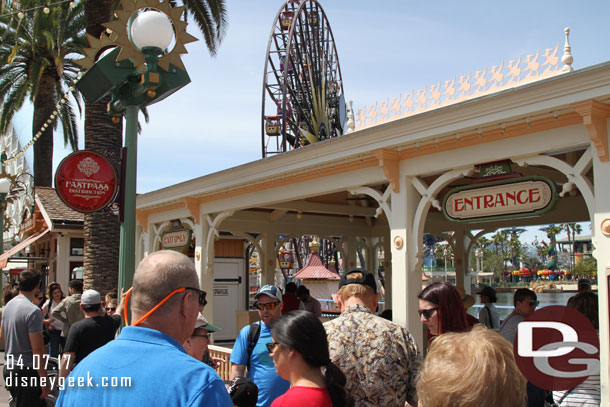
<point x="557" y="348"/>
<point x="86" y="181"/>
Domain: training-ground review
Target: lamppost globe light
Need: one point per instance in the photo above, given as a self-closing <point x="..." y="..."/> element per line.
<point x="151" y="29"/>
<point x="5" y="185"/>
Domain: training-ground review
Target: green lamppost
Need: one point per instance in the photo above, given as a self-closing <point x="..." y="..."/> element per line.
<point x="138" y="72"/>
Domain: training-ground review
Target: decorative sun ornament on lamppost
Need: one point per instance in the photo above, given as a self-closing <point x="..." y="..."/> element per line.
<point x="148" y="33"/>
<point x="134" y="62"/>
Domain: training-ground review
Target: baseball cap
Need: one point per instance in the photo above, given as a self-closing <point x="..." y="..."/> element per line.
<point x="487" y="291"/>
<point x="271" y="291"/>
<point x="90" y="297"/>
<point x="243" y="391"/>
<point x="203" y="323"/>
<point x="366" y="279"/>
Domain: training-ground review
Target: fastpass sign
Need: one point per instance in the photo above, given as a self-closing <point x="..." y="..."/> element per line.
<point x="503" y="199"/>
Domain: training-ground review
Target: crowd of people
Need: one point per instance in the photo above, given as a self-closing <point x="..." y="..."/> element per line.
<point x="288" y="358"/>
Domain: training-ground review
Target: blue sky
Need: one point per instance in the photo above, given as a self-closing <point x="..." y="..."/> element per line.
<point x="385" y="48"/>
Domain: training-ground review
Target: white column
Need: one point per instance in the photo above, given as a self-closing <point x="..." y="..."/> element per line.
<point x="406" y="280"/>
<point x="63" y="261"/>
<point x="204" y="262"/>
<point x="601" y="243"/>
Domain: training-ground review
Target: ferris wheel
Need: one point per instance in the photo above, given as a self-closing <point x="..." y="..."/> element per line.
<point x="303" y="100"/>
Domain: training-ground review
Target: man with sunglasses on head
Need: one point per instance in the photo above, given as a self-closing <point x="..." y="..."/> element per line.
<point x="379" y="358"/>
<point x="525" y="301"/>
<point x="146" y="364"/>
<point x="250" y="351"/>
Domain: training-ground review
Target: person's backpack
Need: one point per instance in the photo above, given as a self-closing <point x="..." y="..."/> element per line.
<point x="253" y="335"/>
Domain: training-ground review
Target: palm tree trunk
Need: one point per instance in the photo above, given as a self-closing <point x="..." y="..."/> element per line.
<point x="102" y="229"/>
<point x="43" y="148"/>
<point x="573" y="247"/>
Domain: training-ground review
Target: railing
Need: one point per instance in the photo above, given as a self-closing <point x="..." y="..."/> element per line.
<point x="224" y="367"/>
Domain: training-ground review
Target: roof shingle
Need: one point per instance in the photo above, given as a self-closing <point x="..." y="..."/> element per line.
<point x="314" y="269"/>
<point x="54" y="207"/>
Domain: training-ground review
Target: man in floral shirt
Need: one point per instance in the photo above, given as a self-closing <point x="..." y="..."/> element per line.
<point x="379" y="358"/>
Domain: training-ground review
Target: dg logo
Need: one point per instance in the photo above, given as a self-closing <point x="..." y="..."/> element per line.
<point x="557" y="348"/>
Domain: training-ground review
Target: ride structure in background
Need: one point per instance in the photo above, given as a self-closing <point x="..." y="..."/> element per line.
<point x="303" y="100"/>
<point x="553" y="259"/>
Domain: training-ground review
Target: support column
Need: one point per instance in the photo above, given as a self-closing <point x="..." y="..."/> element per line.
<point x="204" y="263"/>
<point x="601" y="241"/>
<point x="387" y="267"/>
<point x="349" y="243"/>
<point x="269" y="258"/>
<point x="459" y="257"/>
<point x="147" y="244"/>
<point x="371" y="256"/>
<point x="406" y="279"/>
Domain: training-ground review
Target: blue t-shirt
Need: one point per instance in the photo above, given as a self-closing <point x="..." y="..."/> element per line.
<point x="143" y="367"/>
<point x="262" y="371"/>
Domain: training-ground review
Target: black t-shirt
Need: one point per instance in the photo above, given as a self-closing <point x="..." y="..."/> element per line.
<point x="91" y="333"/>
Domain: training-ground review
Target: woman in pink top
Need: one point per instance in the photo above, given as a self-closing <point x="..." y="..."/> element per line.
<point x="300" y="355"/>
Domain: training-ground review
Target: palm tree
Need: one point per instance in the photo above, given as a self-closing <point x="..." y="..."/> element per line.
<point x="102" y="229"/>
<point x="496" y="240"/>
<point x="568" y="229"/>
<point x="576" y="230"/>
<point x="35" y="64"/>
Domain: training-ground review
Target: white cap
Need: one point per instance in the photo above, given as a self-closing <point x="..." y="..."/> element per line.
<point x="90" y="297"/>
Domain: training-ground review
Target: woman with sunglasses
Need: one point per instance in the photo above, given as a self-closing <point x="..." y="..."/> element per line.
<point x="300" y="355"/>
<point x="441" y="309"/>
<point x="54" y="326"/>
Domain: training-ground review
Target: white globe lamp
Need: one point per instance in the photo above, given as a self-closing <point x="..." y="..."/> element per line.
<point x="151" y="29"/>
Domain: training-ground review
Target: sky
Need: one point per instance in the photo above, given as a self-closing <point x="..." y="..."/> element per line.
<point x="385" y="48"/>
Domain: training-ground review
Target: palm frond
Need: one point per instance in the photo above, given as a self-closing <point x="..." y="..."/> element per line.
<point x="210" y="17"/>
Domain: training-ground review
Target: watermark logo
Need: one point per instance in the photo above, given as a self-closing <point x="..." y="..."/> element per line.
<point x="557" y="348"/>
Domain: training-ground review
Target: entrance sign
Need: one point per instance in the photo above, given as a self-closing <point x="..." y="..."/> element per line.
<point x="86" y="181"/>
<point x="502" y="199"/>
<point x="177" y="237"/>
<point x="177" y="240"/>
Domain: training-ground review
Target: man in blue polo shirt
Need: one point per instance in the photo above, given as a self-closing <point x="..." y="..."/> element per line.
<point x="147" y="365"/>
<point x="261" y="369"/>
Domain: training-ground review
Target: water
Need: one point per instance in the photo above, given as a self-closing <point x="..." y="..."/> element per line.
<point x="505" y="302"/>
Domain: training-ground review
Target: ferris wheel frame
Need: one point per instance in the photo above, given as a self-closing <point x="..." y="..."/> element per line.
<point x="302" y="100"/>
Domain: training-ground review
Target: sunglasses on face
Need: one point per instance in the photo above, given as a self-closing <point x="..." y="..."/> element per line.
<point x="427" y="313"/>
<point x="271" y="346"/>
<point x="206" y="336"/>
<point x="269" y="306"/>
<point x="111" y="309"/>
<point x="534" y="303"/>
<point x="202" y="294"/>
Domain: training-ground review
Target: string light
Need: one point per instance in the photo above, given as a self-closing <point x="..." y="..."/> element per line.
<point x="46" y="124"/>
<point x="45" y="8"/>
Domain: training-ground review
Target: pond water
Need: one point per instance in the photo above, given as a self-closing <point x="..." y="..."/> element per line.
<point x="505" y="302"/>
